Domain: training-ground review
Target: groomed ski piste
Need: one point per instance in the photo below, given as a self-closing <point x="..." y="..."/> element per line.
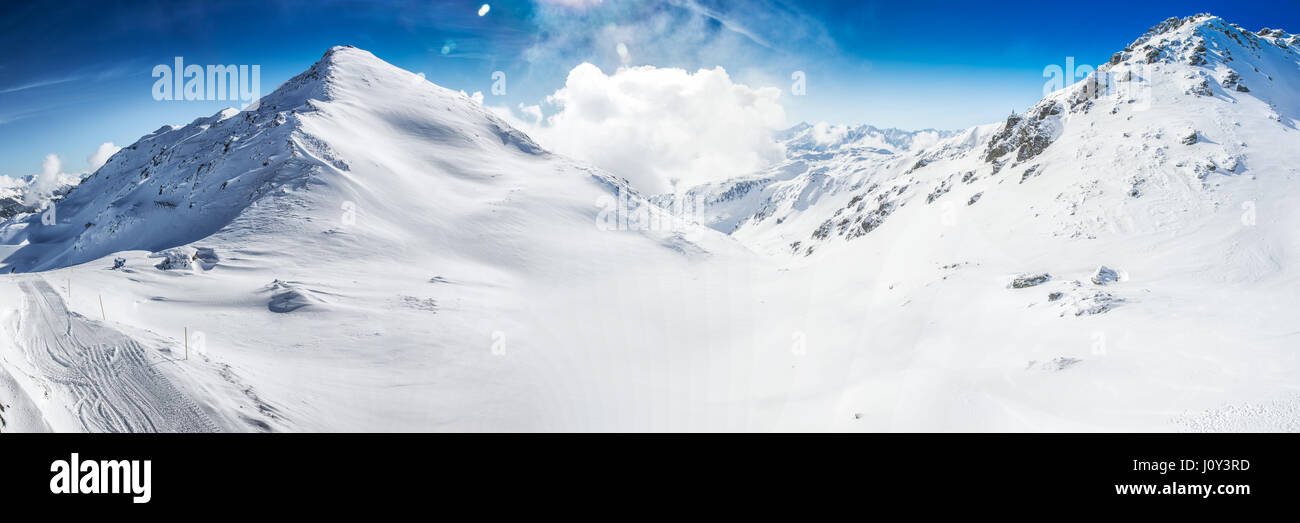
<point x="363" y="250"/>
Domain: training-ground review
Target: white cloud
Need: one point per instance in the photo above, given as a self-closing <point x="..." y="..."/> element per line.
<point x="44" y="183"/>
<point x="533" y="112"/>
<point x="101" y="155"/>
<point x="477" y="97"/>
<point x="825" y="133"/>
<point x="654" y="125"/>
<point x="39" y="187"/>
<point x="8" y="182"/>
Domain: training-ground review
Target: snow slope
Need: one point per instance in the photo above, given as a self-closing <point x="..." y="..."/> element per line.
<point x="368" y="251"/>
<point x="1200" y="227"/>
<point x="107" y="376"/>
<point x="360" y="244"/>
<point x="1118" y="133"/>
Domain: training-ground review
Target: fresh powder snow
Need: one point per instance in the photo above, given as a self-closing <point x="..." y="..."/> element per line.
<point x="362" y="250"/>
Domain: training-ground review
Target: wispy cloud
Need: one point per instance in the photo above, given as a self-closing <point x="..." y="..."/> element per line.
<point x="38" y="84"/>
<point x="572" y="3"/>
<point x="726" y="22"/>
<point x="764" y="21"/>
<point x="97" y="75"/>
<point x="691" y="33"/>
<point x="13" y="116"/>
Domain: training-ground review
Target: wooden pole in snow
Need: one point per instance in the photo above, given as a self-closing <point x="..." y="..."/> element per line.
<point x="187" y="343"/>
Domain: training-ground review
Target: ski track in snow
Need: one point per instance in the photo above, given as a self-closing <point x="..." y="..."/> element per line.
<point x="111" y="384"/>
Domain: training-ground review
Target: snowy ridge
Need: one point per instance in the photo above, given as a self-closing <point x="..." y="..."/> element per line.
<point x="366" y="226"/>
<point x="823" y="137"/>
<point x="179" y="185"/>
<point x="1150" y="94"/>
<point x="1172" y="165"/>
<point x="817" y="155"/>
<point x="366" y="251"/>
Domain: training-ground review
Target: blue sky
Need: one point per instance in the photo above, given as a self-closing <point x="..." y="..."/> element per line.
<point x="77" y="74"/>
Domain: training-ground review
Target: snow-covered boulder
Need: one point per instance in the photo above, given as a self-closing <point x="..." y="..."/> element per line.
<point x="177" y="258"/>
<point x="289" y="296"/>
<point x="1022" y="281"/>
<point x="1096" y="303"/>
<point x="1104" y="275"/>
<point x="206" y="257"/>
<point x="1053" y="365"/>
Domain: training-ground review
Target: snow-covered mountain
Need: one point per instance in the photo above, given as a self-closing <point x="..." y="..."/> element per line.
<point x="815" y="155"/>
<point x="1172" y="166"/>
<point x="807" y="140"/>
<point x="1121" y="134"/>
<point x="367" y="251"/>
<point x="360" y="240"/>
<point x="19" y="195"/>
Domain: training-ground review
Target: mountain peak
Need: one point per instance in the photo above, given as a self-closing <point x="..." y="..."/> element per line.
<point x="343" y="68"/>
<point x="1203" y="40"/>
<point x="180" y="184"/>
<point x="343" y="56"/>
